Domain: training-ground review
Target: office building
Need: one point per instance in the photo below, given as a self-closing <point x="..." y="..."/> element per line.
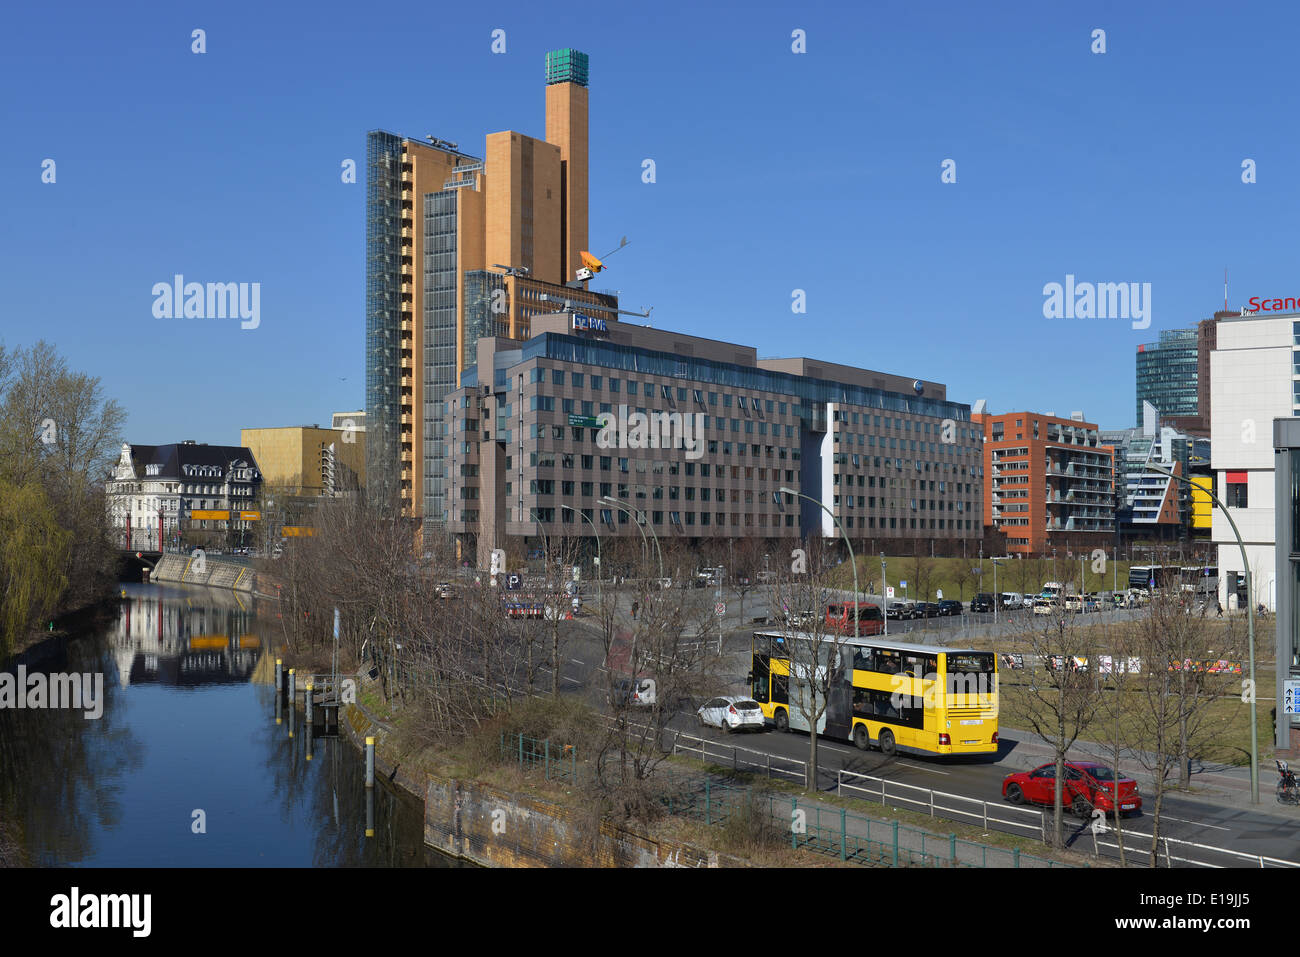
<point x="1149" y="505"/>
<point x="309" y="460"/>
<point x="1255" y="378"/>
<point x="1173" y="374"/>
<point x="460" y="246"/>
<point x="1050" y="481"/>
<point x="159" y="493"/>
<point x="531" y="456"/>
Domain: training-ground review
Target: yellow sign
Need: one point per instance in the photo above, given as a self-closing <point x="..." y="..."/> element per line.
<point x="297" y="531"/>
<point x="209" y="514"/>
<point x="249" y="516"/>
<point x="209" y="641"/>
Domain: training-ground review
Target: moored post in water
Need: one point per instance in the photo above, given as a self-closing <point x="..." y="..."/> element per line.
<point x="370" y="762"/>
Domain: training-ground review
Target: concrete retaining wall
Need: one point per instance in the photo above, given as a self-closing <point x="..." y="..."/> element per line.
<point x="217" y="572"/>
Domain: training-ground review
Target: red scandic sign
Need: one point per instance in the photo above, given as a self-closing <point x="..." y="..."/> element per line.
<point x="1235" y="478"/>
<point x="1273" y="305"/>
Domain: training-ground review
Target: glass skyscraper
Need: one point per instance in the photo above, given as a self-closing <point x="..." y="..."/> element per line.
<point x="1167" y="374"/>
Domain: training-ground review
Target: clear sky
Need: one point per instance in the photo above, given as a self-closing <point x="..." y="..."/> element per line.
<point x="775" y="171"/>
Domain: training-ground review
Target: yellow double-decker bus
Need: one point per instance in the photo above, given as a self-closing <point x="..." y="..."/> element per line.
<point x="899" y="697"/>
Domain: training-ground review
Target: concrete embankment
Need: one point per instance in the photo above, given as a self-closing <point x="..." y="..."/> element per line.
<point x="493" y="827"/>
<point x="211" y="571"/>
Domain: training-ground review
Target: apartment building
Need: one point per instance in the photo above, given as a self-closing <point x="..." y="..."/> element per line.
<point x="1050" y="481"/>
<point x="545" y="443"/>
<point x="460" y="246"/>
<point x="157" y="492"/>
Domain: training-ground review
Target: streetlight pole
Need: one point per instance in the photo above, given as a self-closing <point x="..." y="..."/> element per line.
<point x="633" y="512"/>
<point x="852" y="560"/>
<point x="997" y="596"/>
<point x="1250" y="624"/>
<point x="883" y="600"/>
<point x="599" y="570"/>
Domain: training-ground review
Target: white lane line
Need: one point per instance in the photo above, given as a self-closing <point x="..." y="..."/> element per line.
<point x="922" y="767"/>
<point x="1166" y="817"/>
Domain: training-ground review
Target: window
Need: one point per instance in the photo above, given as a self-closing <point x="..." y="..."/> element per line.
<point x="557" y="377"/>
<point x="1236" y="483"/>
<point x="577" y="380"/>
<point x="631" y="387"/>
<point x="596" y="380"/>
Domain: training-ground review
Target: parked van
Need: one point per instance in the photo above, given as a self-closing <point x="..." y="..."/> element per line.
<point x="839" y="618"/>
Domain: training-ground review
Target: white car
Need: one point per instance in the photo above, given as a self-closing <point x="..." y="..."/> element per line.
<point x="731" y="713"/>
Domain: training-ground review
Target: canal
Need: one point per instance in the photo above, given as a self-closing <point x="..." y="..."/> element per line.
<point x="186" y="765"/>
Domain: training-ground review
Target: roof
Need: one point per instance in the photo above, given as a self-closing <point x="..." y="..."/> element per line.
<point x="175" y="459"/>
<point x="878" y="641"/>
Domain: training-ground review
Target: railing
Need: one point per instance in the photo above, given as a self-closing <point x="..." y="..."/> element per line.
<point x="753" y="761"/>
<point x="938" y="803"/>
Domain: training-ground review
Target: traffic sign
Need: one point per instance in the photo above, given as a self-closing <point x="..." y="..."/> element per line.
<point x="1290" y="696"/>
<point x="889" y="592"/>
<point x="720" y="608"/>
<point x="939" y="594"/>
<point x="902" y="584"/>
<point x="513" y="580"/>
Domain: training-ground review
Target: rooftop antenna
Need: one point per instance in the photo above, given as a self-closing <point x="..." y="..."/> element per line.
<point x="1225" y="288"/>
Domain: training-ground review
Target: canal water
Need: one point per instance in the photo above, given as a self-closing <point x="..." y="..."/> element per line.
<point x="187" y="766"/>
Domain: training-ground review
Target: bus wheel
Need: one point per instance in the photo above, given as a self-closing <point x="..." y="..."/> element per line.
<point x="861" y="738"/>
<point x="782" y="720"/>
<point x="887" y="741"/>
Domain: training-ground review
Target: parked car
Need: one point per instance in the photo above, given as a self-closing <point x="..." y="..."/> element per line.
<point x="1087" y="786"/>
<point x="949" y="606"/>
<point x="1072" y="603"/>
<point x="982" y="602"/>
<point x="663" y="583"/>
<point x="765" y="576"/>
<point x="1047" y="606"/>
<point x="445" y="590"/>
<point x="898" y="609"/>
<point x="925" y="609"/>
<point x="634" y="692"/>
<point x="731" y="713"/>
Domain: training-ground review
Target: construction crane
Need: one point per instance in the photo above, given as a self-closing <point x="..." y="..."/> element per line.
<point x="591" y="265"/>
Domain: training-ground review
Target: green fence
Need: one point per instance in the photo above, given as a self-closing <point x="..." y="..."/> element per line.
<point x="813" y="827"/>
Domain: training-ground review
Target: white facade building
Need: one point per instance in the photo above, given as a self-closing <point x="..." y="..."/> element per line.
<point x="1253" y="379"/>
<point x="156" y="490"/>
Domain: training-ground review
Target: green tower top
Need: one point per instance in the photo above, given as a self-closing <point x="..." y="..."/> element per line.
<point x="566" y="66"/>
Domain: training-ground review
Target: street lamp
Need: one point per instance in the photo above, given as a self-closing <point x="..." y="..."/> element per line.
<point x="883" y="600"/>
<point x="1250" y="624"/>
<point x="630" y="510"/>
<point x="583" y="516"/>
<point x="852" y="560"/>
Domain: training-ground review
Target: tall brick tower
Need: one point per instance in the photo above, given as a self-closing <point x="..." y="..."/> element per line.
<point x="566" y="127"/>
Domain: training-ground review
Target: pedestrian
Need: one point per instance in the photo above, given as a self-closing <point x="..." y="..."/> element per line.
<point x="635" y="607"/>
<point x="1218" y="607"/>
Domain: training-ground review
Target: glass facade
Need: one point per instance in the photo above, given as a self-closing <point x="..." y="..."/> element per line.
<point x="439" y="371"/>
<point x="383" y="313"/>
<point x="1167" y="374"/>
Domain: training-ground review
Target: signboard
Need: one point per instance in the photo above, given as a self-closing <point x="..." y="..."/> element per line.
<point x="586" y="421"/>
<point x="939" y="594"/>
<point x="889" y="592"/>
<point x="513" y="580"/>
<point x="201" y="515"/>
<point x="720" y="608"/>
<point x="589" y="323"/>
<point x="1290" y="697"/>
<point x="297" y="531"/>
<point x="902" y="584"/>
<point x="247" y="516"/>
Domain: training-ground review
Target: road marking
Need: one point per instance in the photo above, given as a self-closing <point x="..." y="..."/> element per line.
<point x="1166" y="817"/>
<point x="576" y="661"/>
<point x="922" y="767"/>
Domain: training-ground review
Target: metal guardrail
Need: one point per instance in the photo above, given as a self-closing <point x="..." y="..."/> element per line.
<point x="944" y="804"/>
<point x="937" y="803"/>
<point x="754" y="760"/>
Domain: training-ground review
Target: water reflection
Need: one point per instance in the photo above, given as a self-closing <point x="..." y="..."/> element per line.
<point x="187" y="766"/>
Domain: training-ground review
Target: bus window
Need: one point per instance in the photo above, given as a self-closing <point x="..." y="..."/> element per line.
<point x="887" y="661"/>
<point x="781" y="689"/>
<point x="762" y="678"/>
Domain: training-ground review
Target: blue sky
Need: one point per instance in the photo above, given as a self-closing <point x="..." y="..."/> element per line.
<point x="775" y="171"/>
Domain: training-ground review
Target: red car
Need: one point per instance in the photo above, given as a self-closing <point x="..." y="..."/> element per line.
<point x="1087" y="786"/>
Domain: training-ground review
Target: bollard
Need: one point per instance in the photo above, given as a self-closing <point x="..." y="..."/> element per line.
<point x="370" y="762"/>
<point x="293" y="689"/>
<point x="309" y="696"/>
<point x="370" y="813"/>
<point x="279" y="677"/>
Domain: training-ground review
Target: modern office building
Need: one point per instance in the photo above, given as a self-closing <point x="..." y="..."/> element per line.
<point x="309" y="460"/>
<point x="352" y="421"/>
<point x="1255" y="378"/>
<point x="1286" y="504"/>
<point x="1149" y="505"/>
<point x="1173" y="374"/>
<point x="1050" y="481"/>
<point x="159" y="492"/>
<point x="459" y="246"/>
<point x="542" y="431"/>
